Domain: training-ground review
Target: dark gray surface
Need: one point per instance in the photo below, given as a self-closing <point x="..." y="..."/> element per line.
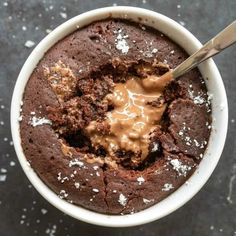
<point x="208" y="213"/>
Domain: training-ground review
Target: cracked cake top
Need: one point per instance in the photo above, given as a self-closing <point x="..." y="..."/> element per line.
<point x="95" y="130"/>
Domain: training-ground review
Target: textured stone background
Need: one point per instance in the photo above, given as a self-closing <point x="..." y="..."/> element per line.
<point x="23" y="211"/>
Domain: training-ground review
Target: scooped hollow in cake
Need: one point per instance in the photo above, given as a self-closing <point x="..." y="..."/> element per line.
<point x="102" y="129"/>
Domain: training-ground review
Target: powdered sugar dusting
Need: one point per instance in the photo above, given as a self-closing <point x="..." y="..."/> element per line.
<point x="63" y="194"/>
<point x="3" y="178"/>
<point x="29" y="44"/>
<point x="180" y="167"/>
<point x="146" y="201"/>
<point x="122" y="200"/>
<point x="76" y="162"/>
<point x="167" y="187"/>
<point x="51" y="231"/>
<point x="140" y="180"/>
<point x="77" y="184"/>
<point x="120" y="41"/>
<point x="36" y="121"/>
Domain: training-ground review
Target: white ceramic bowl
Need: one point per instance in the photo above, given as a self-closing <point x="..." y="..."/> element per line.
<point x="219" y="112"/>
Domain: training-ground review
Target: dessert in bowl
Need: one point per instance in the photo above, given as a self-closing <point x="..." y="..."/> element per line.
<point x="104" y="143"/>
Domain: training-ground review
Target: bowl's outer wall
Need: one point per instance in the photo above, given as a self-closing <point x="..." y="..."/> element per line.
<point x="219" y="104"/>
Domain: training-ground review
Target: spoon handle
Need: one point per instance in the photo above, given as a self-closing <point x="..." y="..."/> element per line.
<point x="221" y="41"/>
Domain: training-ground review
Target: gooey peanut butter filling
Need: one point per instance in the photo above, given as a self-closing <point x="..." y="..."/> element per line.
<point x="133" y="118"/>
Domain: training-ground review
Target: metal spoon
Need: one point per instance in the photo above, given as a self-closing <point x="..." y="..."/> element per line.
<point x="221" y="41"/>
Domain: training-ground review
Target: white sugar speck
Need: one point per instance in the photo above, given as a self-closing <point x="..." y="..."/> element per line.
<point x="44" y="211"/>
<point x="178" y="6"/>
<point x="155" y="147"/>
<point x="76" y="162"/>
<point x="179" y="167"/>
<point x="122" y="200"/>
<point x="154" y="50"/>
<point x="167" y="187"/>
<point x="77" y="184"/>
<point x="3" y="170"/>
<point x="95" y="190"/>
<point x="51" y="231"/>
<point x="48" y="31"/>
<point x="232" y="120"/>
<point x="121" y="43"/>
<point x="5" y="4"/>
<point x="182" y="23"/>
<point x="24" y="28"/>
<point x="95" y="167"/>
<point x="63" y="194"/>
<point x="35" y="121"/>
<point x="140" y="180"/>
<point x="222" y="106"/>
<point x="146" y="201"/>
<point x="212" y="227"/>
<point x="198" y="99"/>
<point x="29" y="44"/>
<point x="3" y="178"/>
<point x="63" y="15"/>
<point x="12" y="163"/>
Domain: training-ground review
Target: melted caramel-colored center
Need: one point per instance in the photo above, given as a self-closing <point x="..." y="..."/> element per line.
<point x="133" y="119"/>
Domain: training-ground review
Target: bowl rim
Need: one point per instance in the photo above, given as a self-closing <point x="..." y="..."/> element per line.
<point x="182" y="194"/>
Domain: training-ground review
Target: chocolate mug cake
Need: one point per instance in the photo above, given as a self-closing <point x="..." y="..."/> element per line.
<point x="102" y="130"/>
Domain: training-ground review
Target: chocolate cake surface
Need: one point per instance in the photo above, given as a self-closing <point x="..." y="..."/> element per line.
<point x="66" y="109"/>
